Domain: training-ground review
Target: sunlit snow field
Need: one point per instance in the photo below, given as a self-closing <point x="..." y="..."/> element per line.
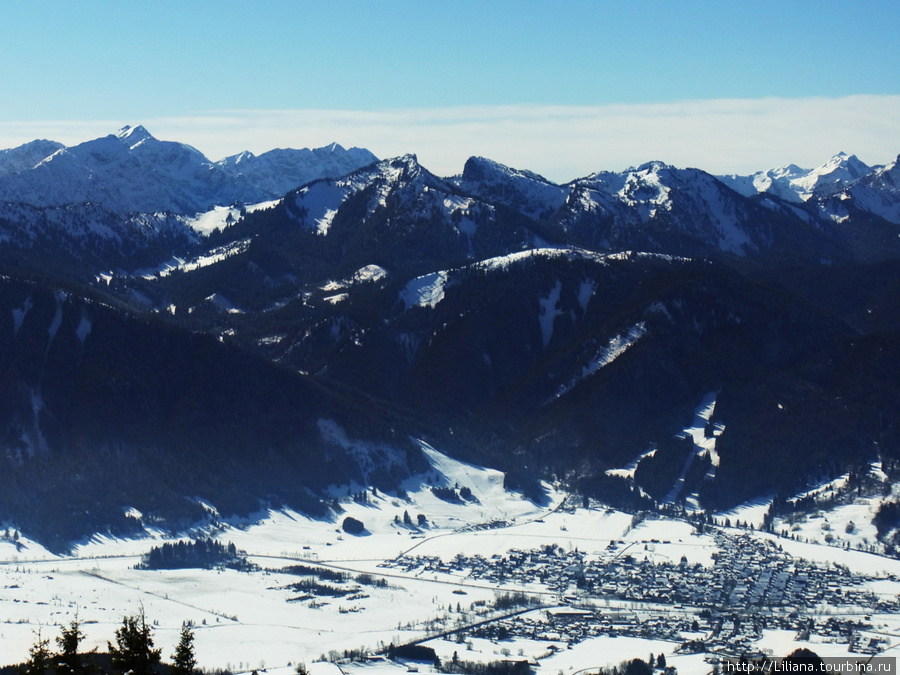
<point x="245" y="621"/>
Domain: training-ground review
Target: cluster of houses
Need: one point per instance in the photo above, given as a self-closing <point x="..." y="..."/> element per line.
<point x="748" y="575"/>
<point x="711" y="633"/>
<point x="721" y="608"/>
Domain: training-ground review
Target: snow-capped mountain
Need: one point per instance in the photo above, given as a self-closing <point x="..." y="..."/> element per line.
<point x="536" y="327"/>
<point x="133" y="171"/>
<point x="400" y="217"/>
<point x="27" y="156"/>
<point x="394" y="213"/>
<point x="524" y="191"/>
<point x="653" y="207"/>
<point x="800" y="185"/>
<point x="658" y="207"/>
<point x="126" y="171"/>
<point x="403" y="182"/>
<point x="877" y="193"/>
<point x="276" y="172"/>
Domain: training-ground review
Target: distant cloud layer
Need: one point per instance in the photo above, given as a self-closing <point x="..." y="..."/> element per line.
<point x="560" y="142"/>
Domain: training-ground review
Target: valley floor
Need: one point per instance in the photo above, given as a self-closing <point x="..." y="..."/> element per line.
<point x="484" y="578"/>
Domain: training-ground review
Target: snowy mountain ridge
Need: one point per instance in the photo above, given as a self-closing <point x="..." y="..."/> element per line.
<point x="282" y="170"/>
<point x="497" y="306"/>
<point x="877" y="193"/>
<point x="412" y="190"/>
<point x="131" y="170"/>
<point x="531" y="193"/>
<point x="654" y="207"/>
<point x="684" y="198"/>
<point x="97" y="238"/>
<point x="27" y="156"/>
<point x="795" y="184"/>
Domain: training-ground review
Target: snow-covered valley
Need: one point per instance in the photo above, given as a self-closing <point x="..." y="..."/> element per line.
<point x="577" y="584"/>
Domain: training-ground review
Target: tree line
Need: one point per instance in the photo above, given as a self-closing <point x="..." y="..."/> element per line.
<point x="200" y="553"/>
<point x="132" y="652"/>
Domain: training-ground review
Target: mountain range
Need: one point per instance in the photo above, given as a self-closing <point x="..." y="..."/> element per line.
<point x="253" y="330"/>
<point x="132" y="171"/>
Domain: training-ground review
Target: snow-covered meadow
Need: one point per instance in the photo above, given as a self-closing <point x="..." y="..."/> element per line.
<point x="255" y="620"/>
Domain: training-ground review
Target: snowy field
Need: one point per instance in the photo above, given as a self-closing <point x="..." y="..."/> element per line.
<point x="255" y="620"/>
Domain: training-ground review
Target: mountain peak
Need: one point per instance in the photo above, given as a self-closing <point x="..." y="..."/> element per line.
<point x="800" y="185"/>
<point x="841" y="159"/>
<point x="134" y="134"/>
<point x="840" y="169"/>
<point x="27" y="156"/>
<point x="480" y="168"/>
<point x="408" y="164"/>
<point x="234" y="160"/>
<point x="651" y="167"/>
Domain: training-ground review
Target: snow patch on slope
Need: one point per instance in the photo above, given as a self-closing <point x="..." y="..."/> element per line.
<point x="585" y="292"/>
<point x="628" y="470"/>
<point x="727" y="226"/>
<point x="214" y="256"/>
<point x="455" y="204"/>
<point x="704" y="446"/>
<point x="503" y="262"/>
<point x="548" y="312"/>
<point x="425" y="291"/>
<point x="321" y="201"/>
<point x="20" y="314"/>
<point x="369" y="456"/>
<point x="56" y="322"/>
<point x="221" y="217"/>
<point x="368" y="273"/>
<point x="84" y="328"/>
<point x="481" y="480"/>
<point x="360" y="276"/>
<point x="617" y="346"/>
<point x="223" y="303"/>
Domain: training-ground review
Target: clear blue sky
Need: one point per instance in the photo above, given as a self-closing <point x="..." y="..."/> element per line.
<point x="73" y="68"/>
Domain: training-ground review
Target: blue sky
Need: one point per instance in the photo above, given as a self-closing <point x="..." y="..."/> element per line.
<point x="562" y="88"/>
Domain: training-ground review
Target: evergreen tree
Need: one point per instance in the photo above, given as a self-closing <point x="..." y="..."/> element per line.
<point x="134" y="650"/>
<point x="183" y="660"/>
<point x="38" y="656"/>
<point x="637" y="667"/>
<point x="69" y="661"/>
